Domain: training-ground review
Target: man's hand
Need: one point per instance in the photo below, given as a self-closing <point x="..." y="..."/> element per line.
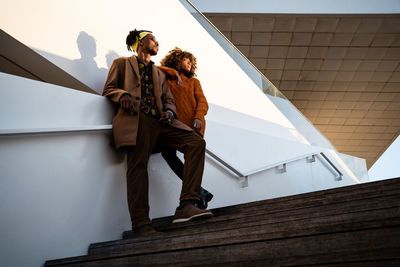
<point x="197" y="124"/>
<point x="167" y="117"/>
<point x="126" y="103"/>
<point x="178" y="79"/>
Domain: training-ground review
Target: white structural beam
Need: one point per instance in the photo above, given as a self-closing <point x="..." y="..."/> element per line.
<point x="299" y="7"/>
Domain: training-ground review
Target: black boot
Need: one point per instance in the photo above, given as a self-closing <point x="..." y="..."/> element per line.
<point x="205" y="197"/>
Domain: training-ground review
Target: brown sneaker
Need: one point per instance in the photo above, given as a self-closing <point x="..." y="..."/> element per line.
<point x="189" y="212"/>
<point x="142" y="231"/>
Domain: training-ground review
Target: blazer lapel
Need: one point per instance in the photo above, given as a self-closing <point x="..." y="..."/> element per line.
<point x="134" y="65"/>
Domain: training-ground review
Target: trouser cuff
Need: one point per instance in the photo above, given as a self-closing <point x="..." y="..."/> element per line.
<point x="139" y="223"/>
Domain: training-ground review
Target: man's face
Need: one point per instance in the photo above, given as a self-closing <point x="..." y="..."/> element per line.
<point x="150" y="44"/>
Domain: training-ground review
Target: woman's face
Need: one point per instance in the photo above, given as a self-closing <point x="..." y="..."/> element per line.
<point x="186" y="64"/>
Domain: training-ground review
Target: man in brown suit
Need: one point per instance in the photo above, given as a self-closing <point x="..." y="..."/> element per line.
<point x="146" y="114"/>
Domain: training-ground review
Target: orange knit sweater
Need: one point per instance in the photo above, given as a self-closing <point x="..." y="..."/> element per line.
<point x="189" y="98"/>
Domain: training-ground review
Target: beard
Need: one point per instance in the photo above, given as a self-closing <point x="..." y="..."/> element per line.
<point x="153" y="51"/>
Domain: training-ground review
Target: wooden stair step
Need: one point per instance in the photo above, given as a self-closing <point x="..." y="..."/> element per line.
<point x="336" y="247"/>
<point x="271" y="210"/>
<point x="213" y="224"/>
<point x="314" y="198"/>
<point x="280" y="205"/>
<point x="363" y="219"/>
<point x="261" y="230"/>
<point x="341" y="192"/>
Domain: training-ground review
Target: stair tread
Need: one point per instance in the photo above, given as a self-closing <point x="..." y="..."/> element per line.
<point x="346" y="211"/>
<point x="252" y="232"/>
<point x="301" y="212"/>
<point x="387" y="237"/>
<point x="271" y="205"/>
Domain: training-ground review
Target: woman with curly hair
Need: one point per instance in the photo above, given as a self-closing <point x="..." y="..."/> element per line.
<point x="191" y="104"/>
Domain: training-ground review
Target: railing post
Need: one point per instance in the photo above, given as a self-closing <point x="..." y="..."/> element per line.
<point x="244" y="182"/>
<point x="281" y="168"/>
<point x="311" y="159"/>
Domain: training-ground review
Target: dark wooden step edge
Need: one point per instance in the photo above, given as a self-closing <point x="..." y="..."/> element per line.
<point x="389" y="239"/>
<point x="220" y="236"/>
<point x="363" y="205"/>
<point x="268" y="208"/>
<point x="324" y="194"/>
<point x="272" y="209"/>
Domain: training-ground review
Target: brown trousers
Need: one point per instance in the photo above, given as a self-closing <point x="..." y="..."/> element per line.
<point x="149" y="132"/>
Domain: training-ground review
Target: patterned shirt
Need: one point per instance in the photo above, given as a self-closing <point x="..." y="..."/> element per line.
<point x="148" y="101"/>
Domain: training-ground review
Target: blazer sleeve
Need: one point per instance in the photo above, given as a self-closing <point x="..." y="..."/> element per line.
<point x="167" y="97"/>
<point x="202" y="105"/>
<point x="114" y="83"/>
<point x="171" y="73"/>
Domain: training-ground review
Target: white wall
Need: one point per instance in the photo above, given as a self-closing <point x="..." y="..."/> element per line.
<point x="58" y="192"/>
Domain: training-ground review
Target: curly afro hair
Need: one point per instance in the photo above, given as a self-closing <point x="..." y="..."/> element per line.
<point x="174" y="60"/>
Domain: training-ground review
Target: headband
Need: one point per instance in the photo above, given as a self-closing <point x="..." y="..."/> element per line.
<point x="141" y="36"/>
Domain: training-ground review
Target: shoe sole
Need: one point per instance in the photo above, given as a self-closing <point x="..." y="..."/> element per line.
<point x="197" y="216"/>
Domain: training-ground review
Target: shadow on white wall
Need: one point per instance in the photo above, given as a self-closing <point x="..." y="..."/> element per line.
<point x="85" y="68"/>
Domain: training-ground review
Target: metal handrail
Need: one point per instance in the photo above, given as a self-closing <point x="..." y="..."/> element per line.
<point x="108" y="127"/>
<point x="241" y="175"/>
<point x="54" y="130"/>
<point x="332" y="165"/>
<point x="225" y="164"/>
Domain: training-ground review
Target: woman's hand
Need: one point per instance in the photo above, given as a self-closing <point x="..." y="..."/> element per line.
<point x="197" y="124"/>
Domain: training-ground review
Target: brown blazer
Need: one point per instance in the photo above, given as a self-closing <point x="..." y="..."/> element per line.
<point x="123" y="77"/>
